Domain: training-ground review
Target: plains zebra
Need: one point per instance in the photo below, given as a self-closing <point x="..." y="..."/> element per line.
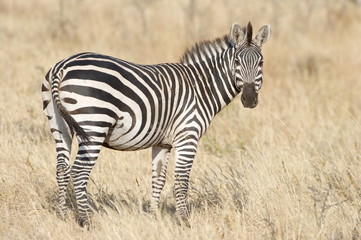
<point x="110" y="102"/>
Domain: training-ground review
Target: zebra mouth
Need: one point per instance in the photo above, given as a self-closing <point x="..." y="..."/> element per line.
<point x="249" y="103"/>
<point x="249" y="95"/>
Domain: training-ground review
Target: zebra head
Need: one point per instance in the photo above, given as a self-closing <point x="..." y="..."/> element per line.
<point x="248" y="61"/>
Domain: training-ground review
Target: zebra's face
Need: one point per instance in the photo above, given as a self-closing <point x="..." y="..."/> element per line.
<point x="248" y="62"/>
<point x="248" y="75"/>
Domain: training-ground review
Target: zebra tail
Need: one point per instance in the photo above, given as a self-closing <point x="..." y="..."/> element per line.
<point x="72" y="124"/>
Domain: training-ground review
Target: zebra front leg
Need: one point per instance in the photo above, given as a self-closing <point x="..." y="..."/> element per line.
<point x="160" y="156"/>
<point x="85" y="160"/>
<point x="184" y="155"/>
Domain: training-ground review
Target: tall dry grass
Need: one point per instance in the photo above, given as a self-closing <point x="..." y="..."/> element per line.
<point x="288" y="169"/>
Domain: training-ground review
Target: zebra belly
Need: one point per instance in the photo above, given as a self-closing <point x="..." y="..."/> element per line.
<point x="125" y="143"/>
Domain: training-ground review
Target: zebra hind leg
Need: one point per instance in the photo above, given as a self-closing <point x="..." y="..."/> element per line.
<point x="84" y="162"/>
<point x="160" y="156"/>
<point x="63" y="137"/>
<point x="63" y="142"/>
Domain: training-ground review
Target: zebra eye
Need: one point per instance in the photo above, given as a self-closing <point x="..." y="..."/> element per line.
<point x="237" y="62"/>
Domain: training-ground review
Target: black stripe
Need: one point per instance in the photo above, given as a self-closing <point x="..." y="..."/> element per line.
<point x="94" y="110"/>
<point x="95" y="123"/>
<point x="43" y="88"/>
<point x="62" y="155"/>
<point x="80" y="152"/>
<point x="45" y="103"/>
<point x="70" y="100"/>
<point x="58" y="149"/>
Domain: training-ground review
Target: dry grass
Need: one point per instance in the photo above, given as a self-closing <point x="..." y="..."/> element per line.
<point x="289" y="169"/>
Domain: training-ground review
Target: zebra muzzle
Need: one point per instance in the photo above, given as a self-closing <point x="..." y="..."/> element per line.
<point x="249" y="95"/>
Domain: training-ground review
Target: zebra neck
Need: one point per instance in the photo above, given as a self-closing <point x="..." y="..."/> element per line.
<point x="214" y="82"/>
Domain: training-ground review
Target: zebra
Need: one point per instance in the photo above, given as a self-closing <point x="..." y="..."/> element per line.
<point x="105" y="101"/>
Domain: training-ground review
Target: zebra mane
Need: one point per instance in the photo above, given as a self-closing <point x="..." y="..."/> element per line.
<point x="200" y="51"/>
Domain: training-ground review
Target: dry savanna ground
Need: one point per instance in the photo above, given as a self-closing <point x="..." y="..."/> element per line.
<point x="288" y="169"/>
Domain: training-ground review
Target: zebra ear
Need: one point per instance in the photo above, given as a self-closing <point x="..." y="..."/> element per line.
<point x="237" y="34"/>
<point x="264" y="33"/>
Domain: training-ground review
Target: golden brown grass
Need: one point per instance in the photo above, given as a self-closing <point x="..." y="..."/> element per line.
<point x="288" y="169"/>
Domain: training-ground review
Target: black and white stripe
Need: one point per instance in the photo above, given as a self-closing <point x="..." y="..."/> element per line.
<point x="125" y="106"/>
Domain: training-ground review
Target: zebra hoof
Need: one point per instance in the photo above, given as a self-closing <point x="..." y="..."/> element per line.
<point x="155" y="215"/>
<point x="184" y="222"/>
<point x="63" y="214"/>
<point x="155" y="212"/>
<point x="84" y="223"/>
